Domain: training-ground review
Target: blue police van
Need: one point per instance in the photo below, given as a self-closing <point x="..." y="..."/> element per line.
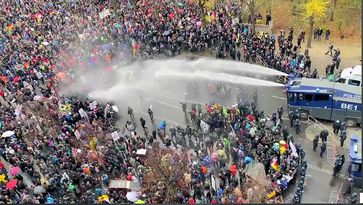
<point x="355" y="160"/>
<point x="327" y="100"/>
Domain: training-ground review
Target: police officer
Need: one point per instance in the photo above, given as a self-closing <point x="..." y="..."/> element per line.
<point x="280" y="112"/>
<point x="354" y="198"/>
<point x="297" y="126"/>
<point x="338" y="166"/>
<point x="285" y="133"/>
<point x="291" y="117"/>
<point x="322" y="149"/>
<point x="324" y="135"/>
<point x="343" y="126"/>
<point x="343" y="137"/>
<point x="336" y="127"/>
<point x="315" y="142"/>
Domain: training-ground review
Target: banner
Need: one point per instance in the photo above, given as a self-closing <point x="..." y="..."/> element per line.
<point x="204" y="126"/>
<point x="103" y="14"/>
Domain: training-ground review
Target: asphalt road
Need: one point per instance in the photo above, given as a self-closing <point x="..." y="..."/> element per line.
<point x="320" y="183"/>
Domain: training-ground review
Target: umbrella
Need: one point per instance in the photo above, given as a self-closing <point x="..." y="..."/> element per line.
<point x="118" y="26"/>
<point x="114" y="108"/>
<point x="7" y="134"/>
<point x="39" y="190"/>
<point x="60" y="75"/>
<point x="50" y="200"/>
<point x="15" y="171"/>
<point x="214" y="157"/>
<point x="166" y="33"/>
<point x="248" y="160"/>
<point x="2" y="178"/>
<point x="132" y="196"/>
<point x="12" y="184"/>
<point x="139" y="202"/>
<point x="180" y="4"/>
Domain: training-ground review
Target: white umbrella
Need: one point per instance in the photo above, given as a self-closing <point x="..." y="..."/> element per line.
<point x="39" y="190"/>
<point x="7" y="134"/>
<point x="114" y="108"/>
<point x="132" y="196"/>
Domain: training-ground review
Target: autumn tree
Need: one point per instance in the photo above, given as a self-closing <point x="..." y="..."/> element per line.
<point x="165" y="173"/>
<point x="343" y="13"/>
<point x="314" y="9"/>
<point x="205" y="6"/>
<point x="253" y="7"/>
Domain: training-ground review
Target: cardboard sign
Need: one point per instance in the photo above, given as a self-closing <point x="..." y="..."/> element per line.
<point x="124" y="184"/>
<point x="115" y="136"/>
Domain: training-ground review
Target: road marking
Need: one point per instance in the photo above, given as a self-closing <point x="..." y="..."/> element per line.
<point x="326" y="171"/>
<point x="278" y="97"/>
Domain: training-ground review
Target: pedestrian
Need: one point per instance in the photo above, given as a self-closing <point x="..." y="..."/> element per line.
<point x="322" y="149"/>
<point x="327" y="34"/>
<point x="151" y="114"/>
<point x="315" y="142"/>
<point x="131" y="113"/>
<point x="143" y="123"/>
<point x="330" y="49"/>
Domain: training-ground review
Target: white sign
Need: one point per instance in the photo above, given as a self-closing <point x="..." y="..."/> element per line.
<point x="78" y="135"/>
<point x="141" y="152"/>
<point x="83" y="113"/>
<point x="103" y="14"/>
<point x="115" y="136"/>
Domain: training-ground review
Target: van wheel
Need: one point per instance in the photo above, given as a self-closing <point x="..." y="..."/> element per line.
<point x="351" y="122"/>
<point x="304" y="115"/>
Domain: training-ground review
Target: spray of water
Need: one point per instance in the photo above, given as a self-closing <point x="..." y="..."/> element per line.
<point x="129" y="85"/>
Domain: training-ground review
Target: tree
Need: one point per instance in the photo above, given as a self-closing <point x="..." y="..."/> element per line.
<point x="165" y="173"/>
<point x="333" y="9"/>
<point x="314" y="9"/>
<point x="253" y="6"/>
<point x="205" y="6"/>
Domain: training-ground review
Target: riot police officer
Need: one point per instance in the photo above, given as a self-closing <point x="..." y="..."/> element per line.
<point x="336" y="127"/>
<point x="315" y="142"/>
<point x="338" y="166"/>
<point x="297" y="126"/>
<point x="291" y="117"/>
<point x="322" y="149"/>
<point x="324" y="135"/>
<point x="343" y="137"/>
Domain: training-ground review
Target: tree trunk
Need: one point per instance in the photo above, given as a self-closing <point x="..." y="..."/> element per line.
<point x="311" y="30"/>
<point x="332" y="12"/>
<point x="252" y="8"/>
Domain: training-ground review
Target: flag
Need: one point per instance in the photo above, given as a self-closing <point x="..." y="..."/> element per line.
<point x="204" y="126"/>
<point x="225" y="111"/>
<point x="275" y="165"/>
<point x="282" y="150"/>
<point x="293" y="149"/>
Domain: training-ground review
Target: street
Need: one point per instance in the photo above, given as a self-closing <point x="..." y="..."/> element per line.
<point x="319" y="180"/>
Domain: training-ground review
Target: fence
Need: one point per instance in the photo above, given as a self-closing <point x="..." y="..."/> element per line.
<point x="315" y="127"/>
<point x="335" y="196"/>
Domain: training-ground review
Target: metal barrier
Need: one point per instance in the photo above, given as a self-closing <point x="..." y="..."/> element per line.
<point x="331" y="152"/>
<point x="335" y="196"/>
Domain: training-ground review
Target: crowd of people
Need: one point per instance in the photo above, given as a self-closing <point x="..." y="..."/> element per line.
<point x="63" y="145"/>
